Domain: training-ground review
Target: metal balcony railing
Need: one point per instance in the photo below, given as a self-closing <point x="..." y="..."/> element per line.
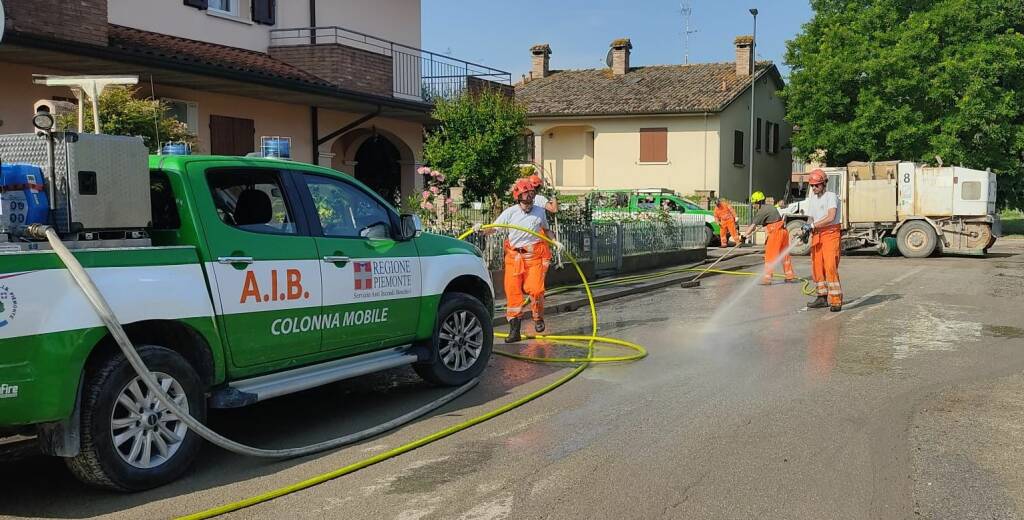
<point x="417" y="74"/>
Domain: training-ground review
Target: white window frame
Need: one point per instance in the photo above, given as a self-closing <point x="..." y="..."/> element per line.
<point x="191" y="113"/>
<point x="234" y="8"/>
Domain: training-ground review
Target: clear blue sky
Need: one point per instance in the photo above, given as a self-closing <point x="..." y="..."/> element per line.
<point x="499" y="34"/>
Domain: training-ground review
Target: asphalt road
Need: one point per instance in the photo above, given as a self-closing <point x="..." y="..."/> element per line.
<point x="906" y="404"/>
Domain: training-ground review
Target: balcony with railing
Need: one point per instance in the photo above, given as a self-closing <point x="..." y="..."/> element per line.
<point x="366" y="63"/>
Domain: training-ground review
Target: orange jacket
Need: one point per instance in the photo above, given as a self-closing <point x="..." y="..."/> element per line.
<point x="724" y="212"/>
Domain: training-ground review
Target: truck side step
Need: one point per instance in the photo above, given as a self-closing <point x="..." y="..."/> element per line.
<point x="249" y="391"/>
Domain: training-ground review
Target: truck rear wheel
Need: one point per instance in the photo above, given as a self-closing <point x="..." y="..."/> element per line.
<point x="916" y="239"/>
<point x="462" y="341"/>
<point x="130" y="442"/>
<point x="709" y="236"/>
<point x="801" y="248"/>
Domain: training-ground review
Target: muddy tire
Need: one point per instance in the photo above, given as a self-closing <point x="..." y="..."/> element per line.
<point x="129" y="443"/>
<point x="793" y="227"/>
<point x="917" y="239"/>
<point x="461" y="345"/>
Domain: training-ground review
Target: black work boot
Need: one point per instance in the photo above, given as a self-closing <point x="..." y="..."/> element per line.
<point x="836" y="308"/>
<point x="538" y="324"/>
<point x="514" y="329"/>
<point x="819" y="303"/>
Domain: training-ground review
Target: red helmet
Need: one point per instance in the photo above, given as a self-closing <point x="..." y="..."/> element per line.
<point x="535" y="180"/>
<point x="817" y="177"/>
<point x="520" y="187"/>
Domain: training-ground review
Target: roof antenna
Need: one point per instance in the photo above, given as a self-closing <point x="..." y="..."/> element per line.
<point x="156" y="112"/>
<point x="687" y="11"/>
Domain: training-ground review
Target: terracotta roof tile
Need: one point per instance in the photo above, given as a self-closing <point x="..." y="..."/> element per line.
<point x="195" y="52"/>
<point x="699" y="87"/>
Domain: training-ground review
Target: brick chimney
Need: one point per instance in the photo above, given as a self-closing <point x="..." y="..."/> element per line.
<point x="620" y="56"/>
<point x="539" y="55"/>
<point x="744" y="58"/>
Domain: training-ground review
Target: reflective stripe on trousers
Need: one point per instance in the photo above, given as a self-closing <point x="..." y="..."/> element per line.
<point x="524" y="274"/>
<point x="825" y="243"/>
<point x="776" y="245"/>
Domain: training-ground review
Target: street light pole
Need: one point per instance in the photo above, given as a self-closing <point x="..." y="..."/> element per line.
<point x="753" y="83"/>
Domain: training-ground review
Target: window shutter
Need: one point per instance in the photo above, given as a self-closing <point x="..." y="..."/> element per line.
<point x="264" y="11"/>
<point x="737" y="147"/>
<point x="654" y="145"/>
<point x="757" y="142"/>
<point x="775" y="138"/>
<point x="198" y="4"/>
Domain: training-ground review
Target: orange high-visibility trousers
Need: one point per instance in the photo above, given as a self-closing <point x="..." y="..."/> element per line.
<point x="525" y="271"/>
<point x="825" y="263"/>
<point x="777" y="245"/>
<point x="730" y="227"/>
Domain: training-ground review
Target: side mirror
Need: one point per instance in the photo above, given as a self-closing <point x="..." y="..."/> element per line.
<point x="412" y="226"/>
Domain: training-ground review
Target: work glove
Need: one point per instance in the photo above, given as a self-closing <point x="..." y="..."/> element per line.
<point x="557" y="245"/>
<point x="806" y="231"/>
<point x="477" y="227"/>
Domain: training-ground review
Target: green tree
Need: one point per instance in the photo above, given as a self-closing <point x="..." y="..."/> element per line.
<point x="123" y="113"/>
<point x="477" y="143"/>
<point x="911" y="80"/>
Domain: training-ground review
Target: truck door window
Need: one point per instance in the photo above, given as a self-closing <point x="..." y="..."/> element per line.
<point x="345" y="211"/>
<point x="252" y="200"/>
<point x="162" y="201"/>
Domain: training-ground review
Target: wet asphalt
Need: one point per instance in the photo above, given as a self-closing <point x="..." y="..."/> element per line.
<point x="748" y="406"/>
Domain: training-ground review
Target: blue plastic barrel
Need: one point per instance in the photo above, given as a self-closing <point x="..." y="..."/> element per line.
<point x="175" y="149"/>
<point x="23" y="194"/>
<point x="277" y="147"/>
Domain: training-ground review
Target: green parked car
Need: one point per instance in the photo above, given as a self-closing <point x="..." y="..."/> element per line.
<point x="611" y="202"/>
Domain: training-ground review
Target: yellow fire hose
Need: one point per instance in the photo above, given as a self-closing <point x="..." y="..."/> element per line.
<point x="586" y="342"/>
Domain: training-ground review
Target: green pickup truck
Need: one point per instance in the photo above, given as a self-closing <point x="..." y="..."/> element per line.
<point x="612" y="202"/>
<point x="261" y="278"/>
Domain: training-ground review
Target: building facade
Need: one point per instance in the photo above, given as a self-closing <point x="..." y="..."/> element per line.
<point x="344" y="80"/>
<point x="681" y="127"/>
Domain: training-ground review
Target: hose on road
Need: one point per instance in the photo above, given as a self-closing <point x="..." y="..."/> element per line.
<point x="106" y="314"/>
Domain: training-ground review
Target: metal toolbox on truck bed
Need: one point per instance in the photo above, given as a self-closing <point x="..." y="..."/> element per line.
<point x="102" y="181"/>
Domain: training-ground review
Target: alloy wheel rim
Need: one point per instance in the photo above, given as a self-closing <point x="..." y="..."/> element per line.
<point x="462" y="340"/>
<point x="144" y="433"/>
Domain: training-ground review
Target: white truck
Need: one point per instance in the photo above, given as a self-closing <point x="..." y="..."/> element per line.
<point x="915" y="209"/>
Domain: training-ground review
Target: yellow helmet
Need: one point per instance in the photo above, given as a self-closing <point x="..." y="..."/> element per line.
<point x="757" y="196"/>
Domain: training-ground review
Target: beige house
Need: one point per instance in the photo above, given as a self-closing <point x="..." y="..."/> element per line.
<point x="682" y="127"/>
<point x="344" y="80"/>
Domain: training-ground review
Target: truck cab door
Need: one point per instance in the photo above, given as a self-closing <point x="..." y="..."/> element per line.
<point x="262" y="263"/>
<point x="371" y="281"/>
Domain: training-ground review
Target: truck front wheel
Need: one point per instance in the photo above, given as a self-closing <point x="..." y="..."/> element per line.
<point x="130" y="442"/>
<point x="462" y="342"/>
<point x="916" y="239"/>
<point x="709" y="236"/>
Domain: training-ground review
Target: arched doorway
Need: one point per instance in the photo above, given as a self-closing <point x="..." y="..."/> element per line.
<point x="378" y="166"/>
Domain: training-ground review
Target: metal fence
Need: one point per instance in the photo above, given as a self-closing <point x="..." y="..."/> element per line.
<point x="605" y="243"/>
<point x="417" y="74"/>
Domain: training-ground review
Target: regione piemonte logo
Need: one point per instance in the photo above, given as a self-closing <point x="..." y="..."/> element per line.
<point x="363" y="275"/>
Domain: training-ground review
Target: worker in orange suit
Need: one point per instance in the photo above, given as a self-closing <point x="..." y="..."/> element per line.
<point x="776" y="245"/>
<point x="824" y="216"/>
<point x="726" y="217"/>
<point x="526" y="258"/>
